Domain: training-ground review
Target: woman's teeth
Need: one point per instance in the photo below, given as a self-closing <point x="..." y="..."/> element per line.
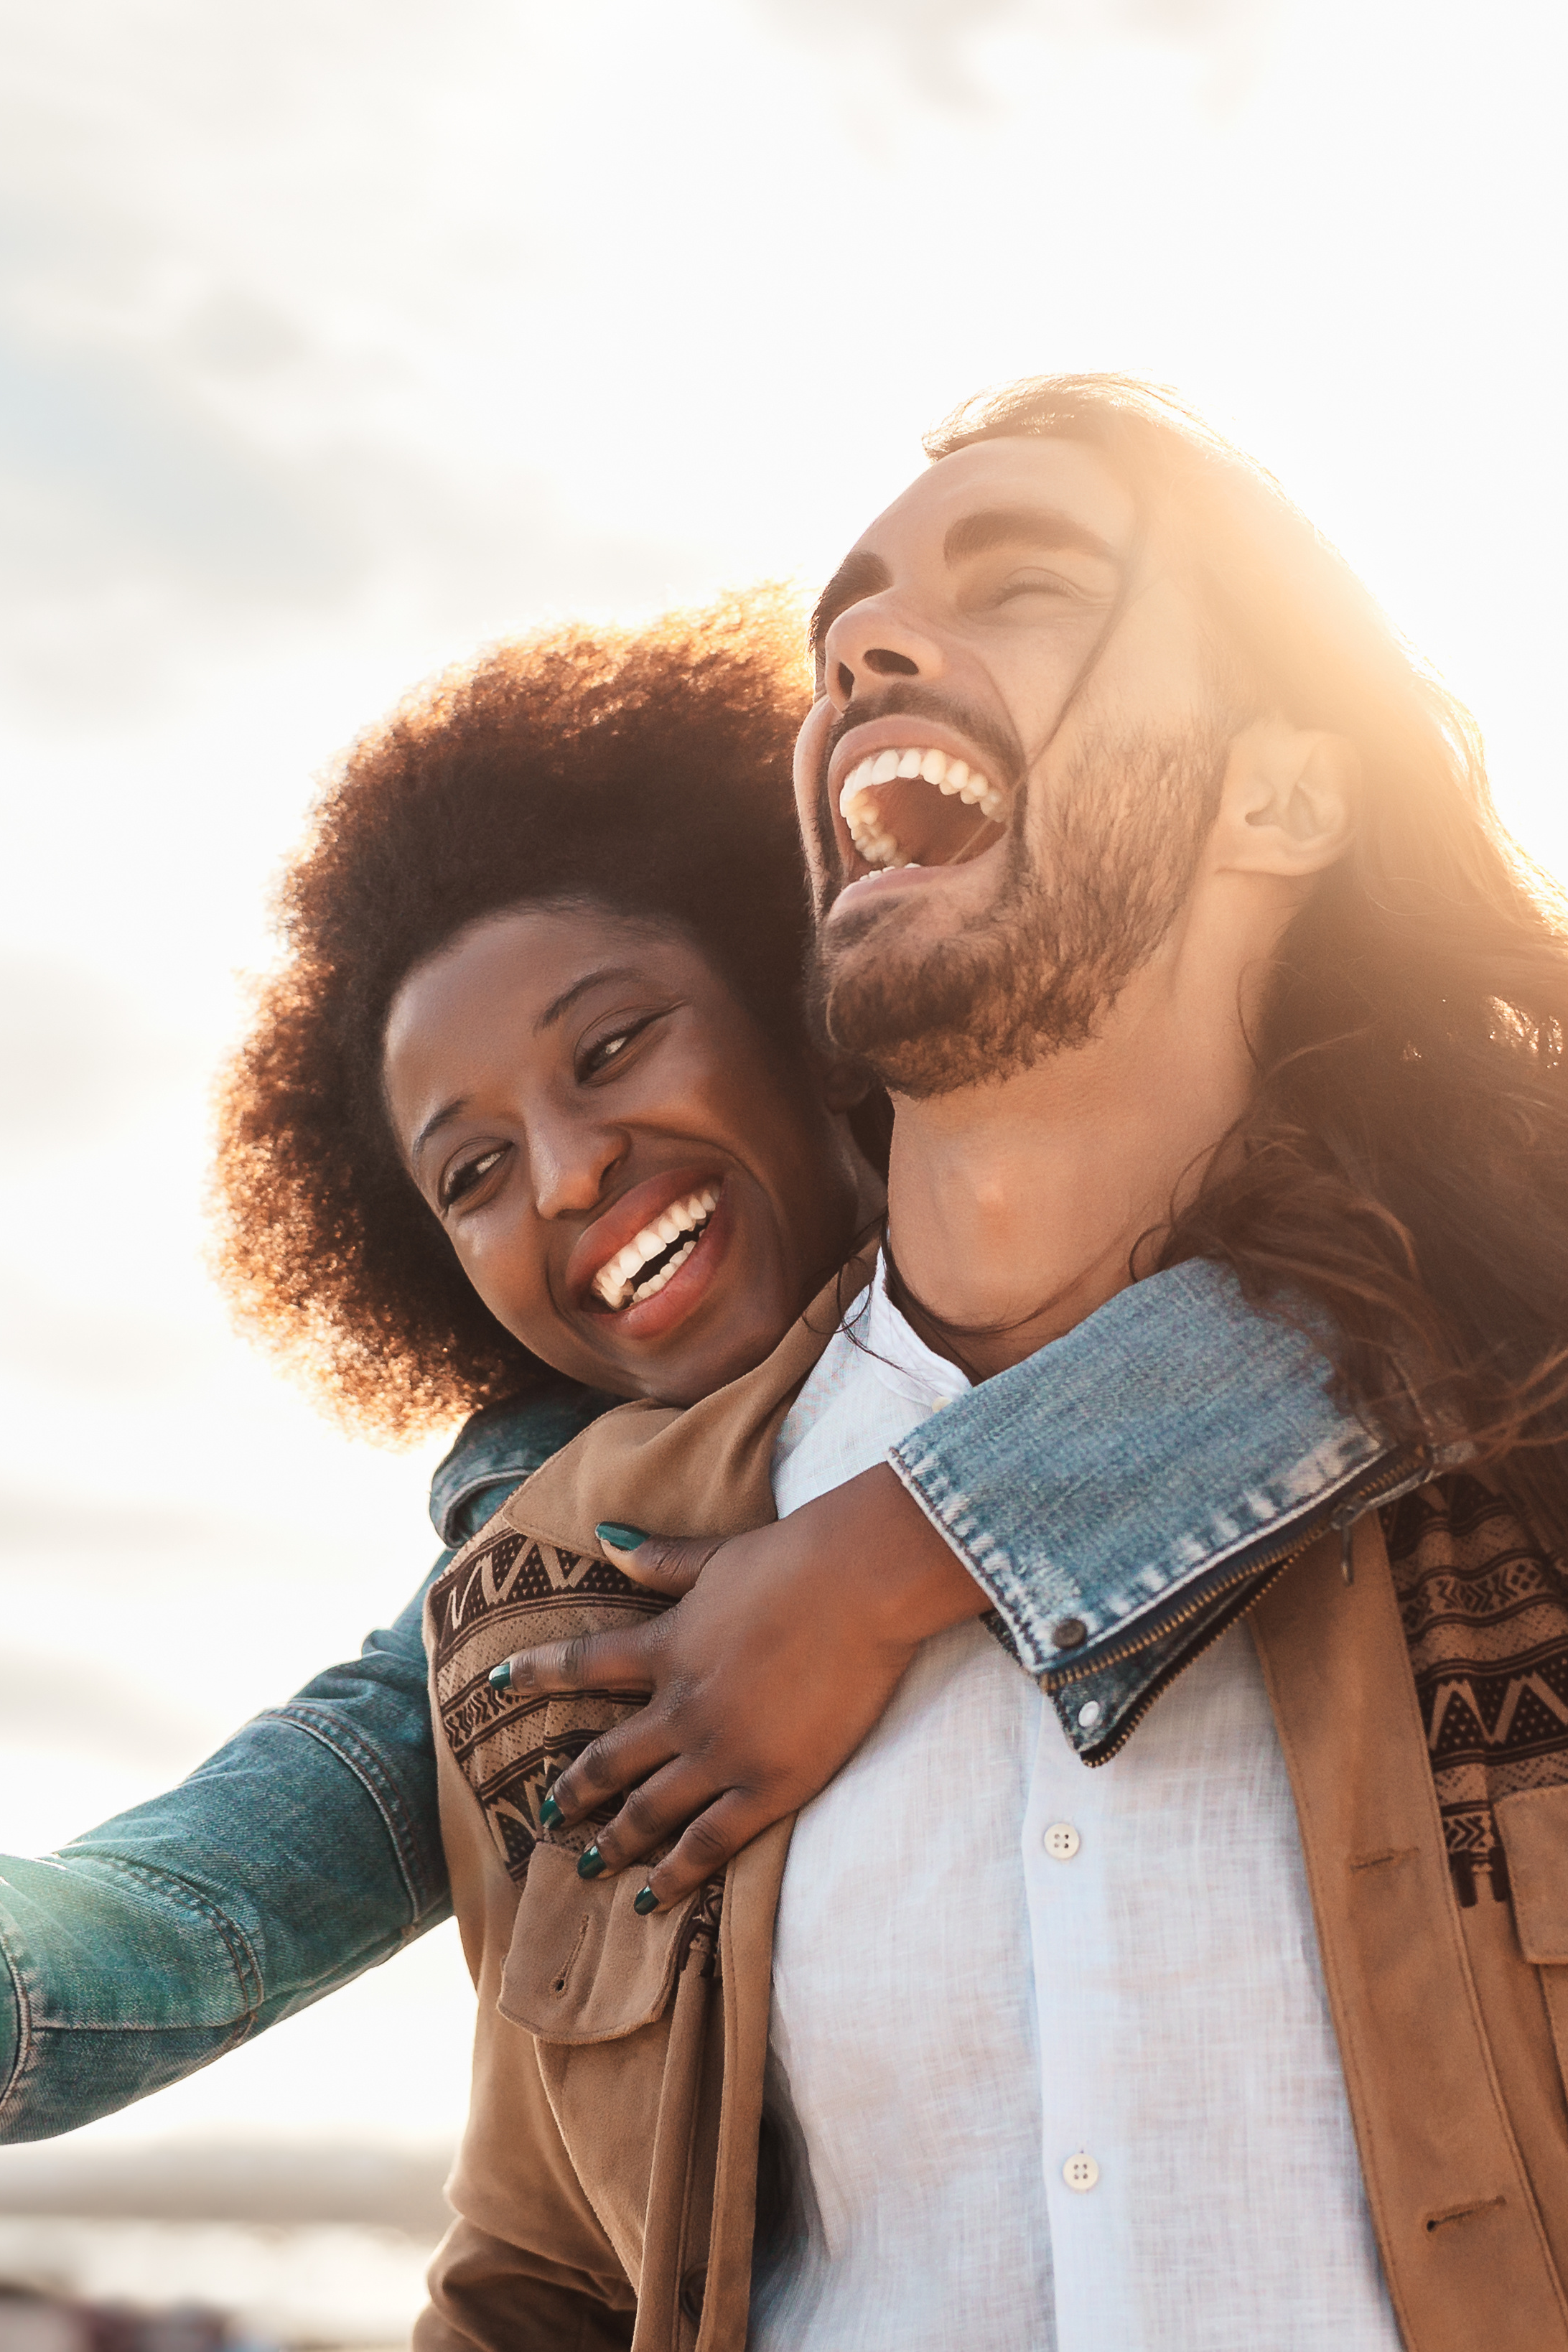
<point x="862" y="812"/>
<point x="683" y="1224"/>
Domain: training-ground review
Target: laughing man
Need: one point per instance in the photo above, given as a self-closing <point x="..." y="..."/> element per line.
<point x="1163" y="892"/>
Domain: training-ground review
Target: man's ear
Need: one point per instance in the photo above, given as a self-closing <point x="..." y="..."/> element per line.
<point x="1288" y="802"/>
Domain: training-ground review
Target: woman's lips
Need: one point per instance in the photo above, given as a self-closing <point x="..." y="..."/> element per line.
<point x="658" y="1251"/>
<point x="647" y="1319"/>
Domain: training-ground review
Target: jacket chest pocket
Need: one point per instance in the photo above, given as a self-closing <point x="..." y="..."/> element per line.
<point x="1534" y="1826"/>
<point x="582" y="1966"/>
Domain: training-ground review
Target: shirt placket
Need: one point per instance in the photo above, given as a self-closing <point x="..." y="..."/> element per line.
<point x="1069" y="1883"/>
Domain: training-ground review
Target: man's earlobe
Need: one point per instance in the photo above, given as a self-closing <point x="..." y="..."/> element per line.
<point x="1291" y="797"/>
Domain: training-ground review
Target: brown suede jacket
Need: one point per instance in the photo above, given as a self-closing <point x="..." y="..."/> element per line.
<point x="607" y="2187"/>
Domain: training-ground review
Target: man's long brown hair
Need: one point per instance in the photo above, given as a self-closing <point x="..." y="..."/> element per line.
<point x="1404" y="1159"/>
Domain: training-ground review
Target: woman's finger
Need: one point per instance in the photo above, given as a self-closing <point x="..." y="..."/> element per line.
<point x="669" y="1564"/>
<point x="618" y="1759"/>
<point x="653" y="1810"/>
<point x="616" y="1661"/>
<point x="709" y="1842"/>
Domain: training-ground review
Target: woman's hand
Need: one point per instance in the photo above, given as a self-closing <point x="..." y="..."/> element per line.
<point x="784" y="1651"/>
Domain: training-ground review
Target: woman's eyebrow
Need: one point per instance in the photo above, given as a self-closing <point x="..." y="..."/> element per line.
<point x="563" y="1004"/>
<point x="1023" y="526"/>
<point x="437" y="1119"/>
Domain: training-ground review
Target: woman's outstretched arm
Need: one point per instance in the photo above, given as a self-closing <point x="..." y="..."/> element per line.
<point x="304" y="1851"/>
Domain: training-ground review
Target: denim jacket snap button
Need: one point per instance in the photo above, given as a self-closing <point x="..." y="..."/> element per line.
<point x="1071" y="1634"/>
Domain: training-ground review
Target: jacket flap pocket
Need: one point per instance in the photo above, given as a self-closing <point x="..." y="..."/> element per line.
<point x="1534" y="1826"/>
<point x="581" y="1965"/>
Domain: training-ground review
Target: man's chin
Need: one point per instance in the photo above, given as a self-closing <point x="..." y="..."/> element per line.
<point x="932" y="1016"/>
<point x="900" y="1015"/>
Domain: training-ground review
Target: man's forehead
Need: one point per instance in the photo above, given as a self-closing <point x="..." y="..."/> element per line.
<point x="1062" y="476"/>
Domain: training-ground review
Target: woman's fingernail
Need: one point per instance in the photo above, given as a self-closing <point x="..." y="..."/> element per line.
<point x="610" y="1531"/>
<point x="590" y="1863"/>
<point x="501" y="1676"/>
<point x="549" y="1814"/>
<point x="644" y="1901"/>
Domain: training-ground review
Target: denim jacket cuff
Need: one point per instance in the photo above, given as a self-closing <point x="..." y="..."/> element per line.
<point x="1175" y="1432"/>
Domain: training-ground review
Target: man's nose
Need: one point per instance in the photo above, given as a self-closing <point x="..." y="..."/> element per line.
<point x="572" y="1161"/>
<point x="877" y="638"/>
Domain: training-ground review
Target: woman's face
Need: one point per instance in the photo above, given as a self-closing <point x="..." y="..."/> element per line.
<point x="641" y="1185"/>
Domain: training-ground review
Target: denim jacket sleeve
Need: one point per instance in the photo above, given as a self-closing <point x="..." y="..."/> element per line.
<point x="305" y="1851"/>
<point x="1152" y="1465"/>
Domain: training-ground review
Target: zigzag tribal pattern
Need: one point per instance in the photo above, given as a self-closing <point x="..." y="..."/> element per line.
<point x="1485" y="1617"/>
<point x="502" y="1593"/>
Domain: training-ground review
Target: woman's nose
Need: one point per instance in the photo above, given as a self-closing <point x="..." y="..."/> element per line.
<point x="571" y="1162"/>
<point x="876" y="639"/>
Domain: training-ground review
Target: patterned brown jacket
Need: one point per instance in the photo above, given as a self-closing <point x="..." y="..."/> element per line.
<point x="607" y="2186"/>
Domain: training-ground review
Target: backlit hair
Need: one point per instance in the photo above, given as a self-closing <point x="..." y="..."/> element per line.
<point x="642" y="771"/>
<point x="1404" y="1160"/>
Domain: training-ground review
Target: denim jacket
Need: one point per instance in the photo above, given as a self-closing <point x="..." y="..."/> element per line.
<point x="308" y="1849"/>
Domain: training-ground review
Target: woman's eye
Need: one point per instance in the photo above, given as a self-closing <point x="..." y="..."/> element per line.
<point x="604" y="1050"/>
<point x="468" y="1174"/>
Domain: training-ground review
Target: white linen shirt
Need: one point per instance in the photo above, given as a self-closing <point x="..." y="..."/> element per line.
<point x="995" y="1969"/>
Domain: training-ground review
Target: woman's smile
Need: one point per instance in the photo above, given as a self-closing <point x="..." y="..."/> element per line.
<point x="667" y="1218"/>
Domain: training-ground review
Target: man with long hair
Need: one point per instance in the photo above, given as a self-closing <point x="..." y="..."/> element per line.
<point x="1161" y="887"/>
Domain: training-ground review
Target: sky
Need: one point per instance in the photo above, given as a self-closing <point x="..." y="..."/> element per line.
<point x="342" y="337"/>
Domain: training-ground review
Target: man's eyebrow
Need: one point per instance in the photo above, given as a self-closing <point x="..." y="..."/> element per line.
<point x="859" y="574"/>
<point x="1023" y="526"/>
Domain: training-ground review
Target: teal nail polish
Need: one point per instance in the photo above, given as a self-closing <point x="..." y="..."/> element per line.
<point x="501" y="1676"/>
<point x="549" y="1814"/>
<point x="589" y="1864"/>
<point x="644" y="1901"/>
<point x="610" y="1531"/>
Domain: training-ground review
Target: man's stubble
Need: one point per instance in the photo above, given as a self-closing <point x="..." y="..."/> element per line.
<point x="1087" y="894"/>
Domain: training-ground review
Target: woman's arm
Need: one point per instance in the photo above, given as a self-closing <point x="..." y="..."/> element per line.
<point x="304" y="1851"/>
<point x="1173" y="1437"/>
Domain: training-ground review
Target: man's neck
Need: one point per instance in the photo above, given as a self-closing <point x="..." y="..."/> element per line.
<point x="1015" y="1208"/>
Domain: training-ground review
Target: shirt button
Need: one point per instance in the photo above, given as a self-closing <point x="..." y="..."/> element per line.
<point x="1061" y="1841"/>
<point x="1089" y="1714"/>
<point x="1071" y="1634"/>
<point x="1080" y="2172"/>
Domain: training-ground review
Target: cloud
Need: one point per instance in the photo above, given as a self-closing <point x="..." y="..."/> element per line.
<point x="934" y="41"/>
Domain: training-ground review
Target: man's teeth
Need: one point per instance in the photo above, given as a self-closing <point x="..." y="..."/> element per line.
<point x="860" y="812"/>
<point x="617" y="1281"/>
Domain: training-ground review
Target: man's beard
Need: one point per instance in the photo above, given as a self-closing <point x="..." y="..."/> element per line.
<point x="1080" y="908"/>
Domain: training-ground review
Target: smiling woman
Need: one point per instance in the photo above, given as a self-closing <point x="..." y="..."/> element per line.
<point x="543" y="958"/>
<point x="641" y="1180"/>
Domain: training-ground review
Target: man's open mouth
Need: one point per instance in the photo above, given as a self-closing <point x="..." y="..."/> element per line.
<point x="912" y="806"/>
<point x="642" y="1268"/>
